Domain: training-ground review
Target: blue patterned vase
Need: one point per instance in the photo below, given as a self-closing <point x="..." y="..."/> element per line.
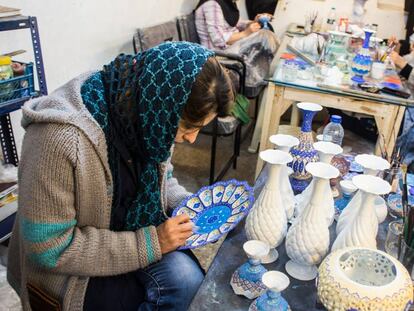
<point x="304" y="153"/>
<point x="272" y="300"/>
<point x="361" y="64"/>
<point x="247" y="279"/>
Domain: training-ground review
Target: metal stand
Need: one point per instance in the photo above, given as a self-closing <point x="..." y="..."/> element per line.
<point x="7" y="141"/>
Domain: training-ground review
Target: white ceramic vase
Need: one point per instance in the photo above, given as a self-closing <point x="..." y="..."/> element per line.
<point x="361" y="230"/>
<point x="267" y="221"/>
<point x="364" y="279"/>
<point x="284" y="143"/>
<point x="326" y="152"/>
<point x="372" y="166"/>
<point x="307" y="241"/>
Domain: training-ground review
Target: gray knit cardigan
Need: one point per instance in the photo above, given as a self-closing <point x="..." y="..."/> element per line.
<point x="61" y="236"/>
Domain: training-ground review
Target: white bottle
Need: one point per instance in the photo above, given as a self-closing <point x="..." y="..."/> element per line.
<point x="331" y="20"/>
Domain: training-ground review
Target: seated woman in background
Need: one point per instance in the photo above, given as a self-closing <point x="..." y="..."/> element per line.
<point x="219" y="28"/>
<point x="405" y="65"/>
<point x="92" y="230"/>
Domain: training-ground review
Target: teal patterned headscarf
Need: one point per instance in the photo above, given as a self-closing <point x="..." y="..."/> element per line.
<point x="139" y="99"/>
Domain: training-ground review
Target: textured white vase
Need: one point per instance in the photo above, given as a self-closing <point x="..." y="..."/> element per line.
<point x="362" y="229"/>
<point x="326" y="152"/>
<point x="267" y="221"/>
<point x="372" y="166"/>
<point x="284" y="142"/>
<point x="307" y="241"/>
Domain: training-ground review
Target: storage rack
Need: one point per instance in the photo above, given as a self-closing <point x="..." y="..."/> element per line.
<point x="6" y="130"/>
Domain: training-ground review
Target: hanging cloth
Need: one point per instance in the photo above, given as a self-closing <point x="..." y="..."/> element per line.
<point x="230" y="10"/>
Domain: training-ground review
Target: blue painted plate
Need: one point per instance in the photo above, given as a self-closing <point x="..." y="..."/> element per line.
<point x="216" y="210"/>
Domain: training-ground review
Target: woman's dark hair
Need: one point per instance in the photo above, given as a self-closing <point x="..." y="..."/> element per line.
<point x="212" y="92"/>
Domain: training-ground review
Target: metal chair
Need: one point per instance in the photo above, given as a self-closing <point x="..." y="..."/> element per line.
<point x="220" y="127"/>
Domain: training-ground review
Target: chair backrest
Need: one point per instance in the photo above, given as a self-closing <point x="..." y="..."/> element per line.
<point x="149" y="37"/>
<point x="187" y="28"/>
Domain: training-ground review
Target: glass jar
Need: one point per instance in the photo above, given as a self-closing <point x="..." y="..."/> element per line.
<point x="6" y="73"/>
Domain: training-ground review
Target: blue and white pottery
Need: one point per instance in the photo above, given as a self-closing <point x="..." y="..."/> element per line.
<point x="264" y="22"/>
<point x="304" y="153"/>
<point x="348" y="190"/>
<point x="272" y="300"/>
<point x="362" y="62"/>
<point x="216" y="210"/>
<point x="247" y="279"/>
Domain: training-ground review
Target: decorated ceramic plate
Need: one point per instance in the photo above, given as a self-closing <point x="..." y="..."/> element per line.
<point x="216" y="210"/>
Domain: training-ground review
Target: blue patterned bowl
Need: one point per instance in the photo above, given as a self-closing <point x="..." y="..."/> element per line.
<point x="216" y="210"/>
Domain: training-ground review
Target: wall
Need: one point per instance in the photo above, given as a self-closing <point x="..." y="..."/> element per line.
<point x="81" y="35"/>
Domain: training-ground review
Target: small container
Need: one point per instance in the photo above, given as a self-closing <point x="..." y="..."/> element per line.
<point x="6" y="73"/>
<point x="334" y="131"/>
<point x="289" y="71"/>
<point x="378" y="70"/>
<point x="393" y="241"/>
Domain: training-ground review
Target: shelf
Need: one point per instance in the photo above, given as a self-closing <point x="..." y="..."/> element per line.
<point x="14" y="22"/>
<point x="13" y="105"/>
<point x="7" y="210"/>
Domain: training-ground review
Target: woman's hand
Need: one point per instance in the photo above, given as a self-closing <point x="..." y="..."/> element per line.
<point x="398" y="60"/>
<point x="174" y="232"/>
<point x="252" y="28"/>
<point x="270" y="16"/>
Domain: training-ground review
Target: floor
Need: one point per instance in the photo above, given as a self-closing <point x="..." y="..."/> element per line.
<point x="191" y="167"/>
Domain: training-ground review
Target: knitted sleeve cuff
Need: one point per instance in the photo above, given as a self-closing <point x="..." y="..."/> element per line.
<point x="406" y="71"/>
<point x="148" y="246"/>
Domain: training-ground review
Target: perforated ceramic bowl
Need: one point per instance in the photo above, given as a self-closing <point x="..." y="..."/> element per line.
<point x="364" y="279"/>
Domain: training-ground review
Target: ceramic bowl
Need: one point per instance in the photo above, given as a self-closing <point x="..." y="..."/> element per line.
<point x="347" y="187"/>
<point x="322" y="170"/>
<point x="309" y="106"/>
<point x="371" y="184"/>
<point x="255" y="249"/>
<point x="394" y="202"/>
<point x="364" y="279"/>
<point x="372" y="164"/>
<point x="275" y="156"/>
<point x="284" y="142"/>
<point x="275" y="281"/>
<point x="327" y="150"/>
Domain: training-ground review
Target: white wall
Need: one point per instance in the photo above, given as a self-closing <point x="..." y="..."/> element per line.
<point x="288" y="11"/>
<point x="80" y="35"/>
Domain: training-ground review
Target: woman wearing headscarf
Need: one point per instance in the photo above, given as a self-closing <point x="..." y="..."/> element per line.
<point x="219" y="28"/>
<point x="96" y="187"/>
<point x="404" y="65"/>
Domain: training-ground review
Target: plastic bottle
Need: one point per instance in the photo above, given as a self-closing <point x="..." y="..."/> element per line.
<point x="6" y="73"/>
<point x="334" y="131"/>
<point x="331" y="20"/>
